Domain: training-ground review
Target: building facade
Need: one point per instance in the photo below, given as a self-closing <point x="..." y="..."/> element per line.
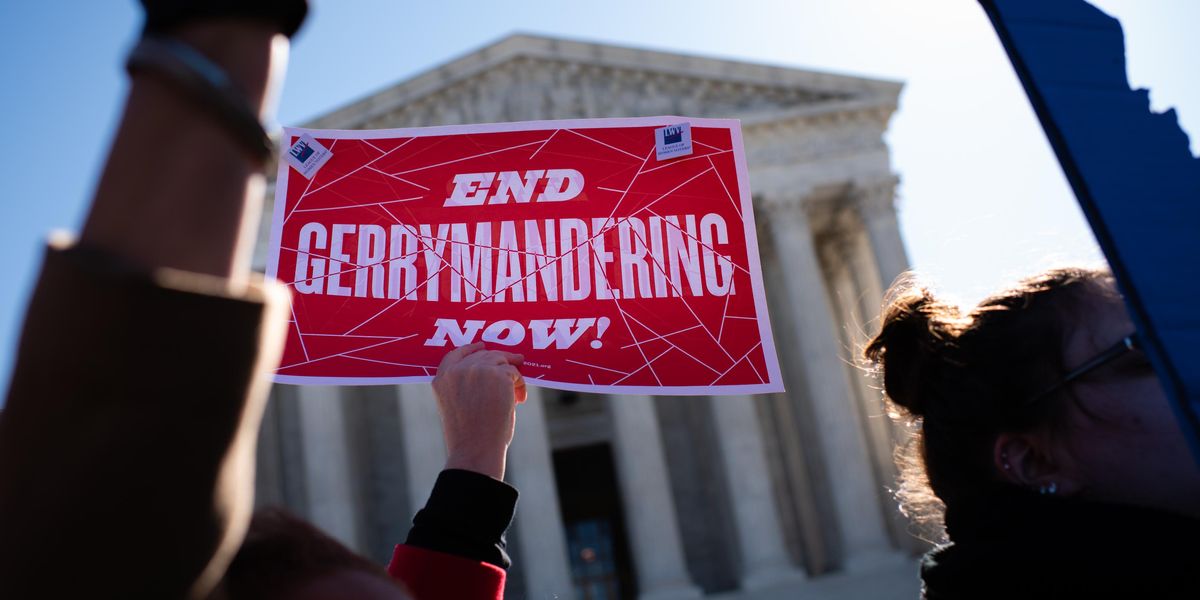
<point x="771" y="496"/>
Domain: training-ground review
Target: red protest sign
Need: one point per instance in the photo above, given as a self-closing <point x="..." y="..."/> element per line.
<point x="571" y="242"/>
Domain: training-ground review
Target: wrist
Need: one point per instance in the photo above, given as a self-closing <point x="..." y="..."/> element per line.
<point x="490" y="463"/>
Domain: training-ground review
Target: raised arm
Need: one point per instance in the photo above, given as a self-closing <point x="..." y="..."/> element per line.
<point x="127" y="438"/>
<point x="456" y="547"/>
<point x="178" y="189"/>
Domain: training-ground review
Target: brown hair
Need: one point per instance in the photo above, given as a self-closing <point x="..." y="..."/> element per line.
<point x="962" y="379"/>
<point x="282" y="551"/>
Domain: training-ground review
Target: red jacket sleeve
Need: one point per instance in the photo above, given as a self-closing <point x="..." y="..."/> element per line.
<point x="456" y="549"/>
<point x="433" y="575"/>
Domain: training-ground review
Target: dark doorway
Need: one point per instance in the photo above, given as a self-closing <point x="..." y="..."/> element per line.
<point x="595" y="525"/>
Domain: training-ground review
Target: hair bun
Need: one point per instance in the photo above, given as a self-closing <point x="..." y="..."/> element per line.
<point x="911" y="346"/>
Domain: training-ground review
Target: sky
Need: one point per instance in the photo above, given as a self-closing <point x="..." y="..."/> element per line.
<point x="982" y="199"/>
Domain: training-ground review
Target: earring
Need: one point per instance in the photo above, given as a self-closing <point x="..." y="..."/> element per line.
<point x="1004" y="461"/>
<point x="1048" y="489"/>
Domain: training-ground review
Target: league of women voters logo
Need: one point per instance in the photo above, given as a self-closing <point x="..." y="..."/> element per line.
<point x="571" y="242"/>
<point x="307" y="155"/>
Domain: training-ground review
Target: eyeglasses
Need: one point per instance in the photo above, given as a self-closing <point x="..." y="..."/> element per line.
<point x="1127" y="344"/>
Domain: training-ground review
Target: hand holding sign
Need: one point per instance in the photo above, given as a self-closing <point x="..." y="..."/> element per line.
<point x="477" y="392"/>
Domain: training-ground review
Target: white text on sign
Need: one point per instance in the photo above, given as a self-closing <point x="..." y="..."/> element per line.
<point x="560" y="333"/>
<point x="472" y="189"/>
<point x="534" y="260"/>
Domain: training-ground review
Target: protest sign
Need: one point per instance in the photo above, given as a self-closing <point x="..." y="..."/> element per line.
<point x="571" y="242"/>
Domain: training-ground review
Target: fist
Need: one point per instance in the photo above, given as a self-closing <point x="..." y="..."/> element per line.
<point x="477" y="392"/>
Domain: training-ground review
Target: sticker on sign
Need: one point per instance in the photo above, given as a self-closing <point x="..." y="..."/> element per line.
<point x="307" y="155"/>
<point x="570" y="242"/>
<point x="673" y="141"/>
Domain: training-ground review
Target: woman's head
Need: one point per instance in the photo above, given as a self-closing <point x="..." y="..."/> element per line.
<point x="983" y="388"/>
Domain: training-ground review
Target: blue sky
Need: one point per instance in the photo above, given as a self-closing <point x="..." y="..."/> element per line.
<point x="982" y="199"/>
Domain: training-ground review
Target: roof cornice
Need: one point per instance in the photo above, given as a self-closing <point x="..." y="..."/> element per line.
<point x="608" y="56"/>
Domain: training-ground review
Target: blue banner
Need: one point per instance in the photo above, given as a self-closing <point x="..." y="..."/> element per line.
<point x="1132" y="172"/>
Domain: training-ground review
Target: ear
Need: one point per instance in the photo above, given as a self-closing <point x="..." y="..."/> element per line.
<point x="1033" y="462"/>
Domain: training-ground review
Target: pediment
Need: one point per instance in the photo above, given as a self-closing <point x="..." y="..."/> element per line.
<point x="526" y="77"/>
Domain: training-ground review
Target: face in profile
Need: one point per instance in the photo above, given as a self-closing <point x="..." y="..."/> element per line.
<point x="1123" y="442"/>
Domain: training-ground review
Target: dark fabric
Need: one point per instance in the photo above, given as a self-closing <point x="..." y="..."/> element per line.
<point x="467" y="514"/>
<point x="164" y="16"/>
<point x="128" y="427"/>
<point x="1018" y="544"/>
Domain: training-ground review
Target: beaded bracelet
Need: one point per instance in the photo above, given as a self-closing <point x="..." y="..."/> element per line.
<point x="207" y="84"/>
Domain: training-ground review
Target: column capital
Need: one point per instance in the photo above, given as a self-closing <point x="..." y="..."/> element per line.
<point x="807" y="202"/>
<point x="782" y="204"/>
<point x="875" y="198"/>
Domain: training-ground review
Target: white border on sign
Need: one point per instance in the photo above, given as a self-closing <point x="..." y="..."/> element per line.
<point x="645" y="390"/>
<point x="774" y="382"/>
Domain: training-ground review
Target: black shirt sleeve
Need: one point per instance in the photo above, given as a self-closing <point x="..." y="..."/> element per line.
<point x="466" y="515"/>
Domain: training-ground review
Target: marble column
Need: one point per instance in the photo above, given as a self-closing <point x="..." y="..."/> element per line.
<point x="646" y="495"/>
<point x="424" y="446"/>
<point x="328" y="481"/>
<point x="854" y="277"/>
<point x="875" y="202"/>
<point x="861" y="276"/>
<point x="842" y="437"/>
<point x="765" y="561"/>
<point x="538" y="524"/>
<point x="865" y="273"/>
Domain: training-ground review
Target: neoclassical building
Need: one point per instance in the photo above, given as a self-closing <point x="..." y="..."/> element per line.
<point x="771" y="496"/>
